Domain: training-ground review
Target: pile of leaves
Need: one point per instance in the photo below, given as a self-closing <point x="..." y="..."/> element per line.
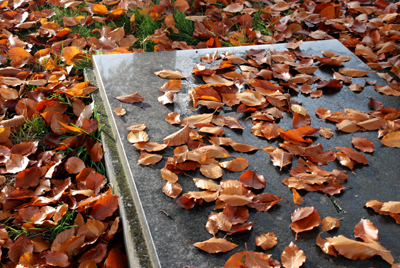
<point x="57" y="209"/>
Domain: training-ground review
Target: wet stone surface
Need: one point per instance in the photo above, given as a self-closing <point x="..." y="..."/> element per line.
<point x="125" y="74"/>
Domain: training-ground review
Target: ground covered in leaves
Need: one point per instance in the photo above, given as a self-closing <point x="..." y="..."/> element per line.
<point x="58" y="209"/>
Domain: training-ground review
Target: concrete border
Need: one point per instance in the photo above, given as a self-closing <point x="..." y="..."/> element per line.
<point x="137" y="250"/>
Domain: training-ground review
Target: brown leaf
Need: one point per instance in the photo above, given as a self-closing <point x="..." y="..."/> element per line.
<point x="366" y="231"/>
<point x="120" y="111"/>
<point x="325" y="246"/>
<point x="74" y="165"/>
<point x="352" y="249"/>
<point x="28" y="177"/>
<point x="326" y="132"/>
<point x="329" y="223"/>
<point x="170" y="74"/>
<point x="266" y="241"/>
<point x="250" y="259"/>
<point x="137" y="128"/>
<point x="206" y="184"/>
<point x="292" y="256"/>
<point x="168" y="175"/>
<point x="172" y="189"/>
<point x="178" y="138"/>
<point x="391" y="206"/>
<point x="211" y="170"/>
<point x="235" y="165"/>
<point x="105" y="207"/>
<point x="116" y="259"/>
<point x="305" y="219"/>
<point x="392" y="139"/>
<point x="280" y="158"/>
<point x="137" y="136"/>
<point x="16" y="163"/>
<point x="353" y="72"/>
<point x="148" y="159"/>
<point x="264" y="201"/>
<point x="215" y="245"/>
<point x="21" y="246"/>
<point x="131" y="98"/>
<point x="55" y="258"/>
<point x="252" y="179"/>
<point x="150" y="146"/>
<point x="233" y="122"/>
<point x="363" y="144"/>
<point x="173" y="118"/>
<point x="173" y="86"/>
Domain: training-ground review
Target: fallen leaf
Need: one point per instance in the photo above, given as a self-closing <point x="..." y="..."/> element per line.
<point x="120" y="111"/>
<point x="266" y="241"/>
<point x="329" y="223"/>
<point x="131" y="98"/>
<point x="353" y="72"/>
<point x="292" y="256"/>
<point x="215" y="245"/>
<point x="363" y="144"/>
<point x="305" y="219"/>
<point x="173" y="118"/>
<point x="281" y="158"/>
<point x="252" y="180"/>
<point x="297" y="198"/>
<point x="250" y="259"/>
<point x="137" y="136"/>
<point x="173" y="86"/>
<point x="392" y="139"/>
<point x="172" y="190"/>
<point x="148" y="159"/>
<point x="170" y="74"/>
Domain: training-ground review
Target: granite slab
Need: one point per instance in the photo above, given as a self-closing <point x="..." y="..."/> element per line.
<point x="123" y="74"/>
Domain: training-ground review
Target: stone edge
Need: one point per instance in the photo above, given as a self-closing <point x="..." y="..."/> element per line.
<point x="137" y="250"/>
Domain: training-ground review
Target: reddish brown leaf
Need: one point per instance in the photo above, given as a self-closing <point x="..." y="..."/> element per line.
<point x="305" y="219"/>
<point x="363" y="144"/>
<point x="235" y="165"/>
<point x="252" y="179"/>
<point x="105" y="207"/>
<point x="55" y="258"/>
<point x="353" y="72"/>
<point x="215" y="245"/>
<point x="325" y="246"/>
<point x="148" y="159"/>
<point x="116" y="259"/>
<point x="21" y="246"/>
<point x="173" y="118"/>
<point x="74" y="165"/>
<point x="178" y="138"/>
<point x="297" y="199"/>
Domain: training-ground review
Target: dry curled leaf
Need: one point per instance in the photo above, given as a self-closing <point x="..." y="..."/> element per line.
<point x="329" y="223"/>
<point x="170" y="74"/>
<point x="280" y="158"/>
<point x="120" y="111"/>
<point x="250" y="259"/>
<point x="173" y="118"/>
<point x="252" y="180"/>
<point x="266" y="241"/>
<point x="292" y="256"/>
<point x="305" y="219"/>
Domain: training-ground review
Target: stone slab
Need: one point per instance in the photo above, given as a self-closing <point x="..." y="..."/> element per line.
<point x="124" y="74"/>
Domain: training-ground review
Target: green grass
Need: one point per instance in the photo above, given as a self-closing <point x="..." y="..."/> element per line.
<point x="48" y="233"/>
<point x="32" y="129"/>
<point x="144" y="26"/>
<point x="185" y="27"/>
<point x="260" y="25"/>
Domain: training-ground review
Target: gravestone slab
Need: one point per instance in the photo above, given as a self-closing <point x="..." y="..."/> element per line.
<point x="124" y="74"/>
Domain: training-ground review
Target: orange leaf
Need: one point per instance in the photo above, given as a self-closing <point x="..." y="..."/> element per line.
<point x="215" y="245"/>
<point x="297" y="199"/>
<point x="353" y="72"/>
<point x="280" y="158"/>
<point x="329" y="223"/>
<point x="116" y="259"/>
<point x="21" y="246"/>
<point x="100" y="9"/>
<point x="250" y="259"/>
<point x="69" y="53"/>
<point x="252" y="179"/>
<point x="292" y="256"/>
<point x="173" y="118"/>
<point x="363" y="144"/>
<point x="105" y="207"/>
